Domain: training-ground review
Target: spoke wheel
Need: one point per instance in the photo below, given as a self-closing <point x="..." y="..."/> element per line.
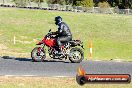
<point x="38" y="57"/>
<point x="76" y="55"/>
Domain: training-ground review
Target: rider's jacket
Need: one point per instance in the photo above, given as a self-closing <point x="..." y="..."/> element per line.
<point x="63" y="30"/>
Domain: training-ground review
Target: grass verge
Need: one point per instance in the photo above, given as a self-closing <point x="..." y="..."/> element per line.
<point x="111" y="34"/>
<point x="49" y="82"/>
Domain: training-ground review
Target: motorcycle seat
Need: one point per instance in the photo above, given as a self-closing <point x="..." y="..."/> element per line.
<point x="75" y="42"/>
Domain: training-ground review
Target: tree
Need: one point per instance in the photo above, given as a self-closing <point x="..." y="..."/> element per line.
<point x="130" y="3"/>
<point x="37" y="1"/>
<point x="121" y="3"/>
<point x="56" y="1"/>
<point x="69" y="2"/>
<point x="20" y="3"/>
<point x="104" y="5"/>
<point x="96" y="2"/>
<point x="87" y="3"/>
<point x="84" y="3"/>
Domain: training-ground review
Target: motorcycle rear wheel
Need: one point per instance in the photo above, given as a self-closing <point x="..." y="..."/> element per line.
<point x="76" y="55"/>
<point x="38" y="58"/>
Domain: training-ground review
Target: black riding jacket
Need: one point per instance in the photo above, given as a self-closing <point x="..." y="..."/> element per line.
<point x="63" y="30"/>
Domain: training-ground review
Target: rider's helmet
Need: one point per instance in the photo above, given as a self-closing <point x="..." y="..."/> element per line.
<point x="58" y="20"/>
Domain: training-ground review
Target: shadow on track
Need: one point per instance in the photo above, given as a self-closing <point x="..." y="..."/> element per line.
<point x="29" y="59"/>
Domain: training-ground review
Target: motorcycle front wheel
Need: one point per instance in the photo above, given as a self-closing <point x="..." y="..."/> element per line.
<point x="38" y="57"/>
<point x="76" y="55"/>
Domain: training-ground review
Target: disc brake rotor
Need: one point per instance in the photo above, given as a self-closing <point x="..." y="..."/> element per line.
<point x="38" y="56"/>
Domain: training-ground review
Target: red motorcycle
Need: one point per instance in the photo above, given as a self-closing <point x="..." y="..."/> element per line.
<point x="70" y="50"/>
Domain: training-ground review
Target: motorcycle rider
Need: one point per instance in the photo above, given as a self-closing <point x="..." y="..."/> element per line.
<point x="63" y="34"/>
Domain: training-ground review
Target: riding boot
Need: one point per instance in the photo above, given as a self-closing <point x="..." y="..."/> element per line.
<point x="60" y="50"/>
<point x="59" y="46"/>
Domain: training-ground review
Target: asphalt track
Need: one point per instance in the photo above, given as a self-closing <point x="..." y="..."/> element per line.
<point x="25" y="67"/>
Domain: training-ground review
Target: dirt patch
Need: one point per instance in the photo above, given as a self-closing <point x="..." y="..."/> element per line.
<point x="26" y="81"/>
<point x="5" y="51"/>
<point x="51" y="82"/>
<point x="3" y="47"/>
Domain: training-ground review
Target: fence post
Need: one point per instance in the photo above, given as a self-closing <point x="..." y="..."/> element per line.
<point x="93" y="10"/>
<point x="3" y="1"/>
<point x="127" y="11"/>
<point x="90" y="49"/>
<point x="14" y="40"/>
<point x="111" y="10"/>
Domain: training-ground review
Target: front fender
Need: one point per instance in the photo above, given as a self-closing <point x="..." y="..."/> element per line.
<point x="39" y="43"/>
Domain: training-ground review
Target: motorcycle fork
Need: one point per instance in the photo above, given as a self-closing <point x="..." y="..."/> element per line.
<point x="39" y="50"/>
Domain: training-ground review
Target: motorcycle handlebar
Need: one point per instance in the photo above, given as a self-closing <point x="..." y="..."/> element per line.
<point x="48" y="35"/>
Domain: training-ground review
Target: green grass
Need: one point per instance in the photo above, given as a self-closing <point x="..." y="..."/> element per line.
<point x="47" y="82"/>
<point x="111" y="34"/>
